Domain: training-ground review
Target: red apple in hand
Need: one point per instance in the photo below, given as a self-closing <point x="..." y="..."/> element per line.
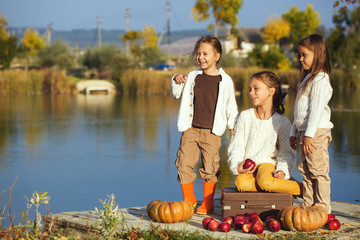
<point x="330" y="217"/>
<point x="249" y="164"/>
<point x="225" y="227"/>
<point x="213" y="225"/>
<point x="334" y="224"/>
<point x="206" y="221"/>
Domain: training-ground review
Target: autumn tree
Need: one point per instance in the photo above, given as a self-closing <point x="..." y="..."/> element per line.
<point x="131" y="38"/>
<point x="150" y="38"/>
<point x="31" y="44"/>
<point x="224" y="13"/>
<point x="302" y="23"/>
<point x="8" y="44"/>
<point x="151" y="53"/>
<point x="275" y="29"/>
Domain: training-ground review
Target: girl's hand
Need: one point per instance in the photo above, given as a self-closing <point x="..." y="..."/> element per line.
<point x="241" y="169"/>
<point x="279" y="174"/>
<point x="292" y="141"/>
<point x="180" y="78"/>
<point x="232" y="131"/>
<point x="308" y="145"/>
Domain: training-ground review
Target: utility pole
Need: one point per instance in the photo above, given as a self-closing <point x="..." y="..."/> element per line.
<point x="99" y="29"/>
<point x="168" y="28"/>
<point x="48" y="34"/>
<point x="127" y="17"/>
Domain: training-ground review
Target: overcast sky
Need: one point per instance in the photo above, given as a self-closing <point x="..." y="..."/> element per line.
<point x="75" y="14"/>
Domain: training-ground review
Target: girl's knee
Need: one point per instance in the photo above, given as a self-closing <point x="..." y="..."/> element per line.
<point x="245" y="183"/>
<point x="265" y="184"/>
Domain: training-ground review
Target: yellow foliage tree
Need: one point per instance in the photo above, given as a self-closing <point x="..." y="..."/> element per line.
<point x="130" y="38"/>
<point x="275" y="29"/>
<point x="224" y="12"/>
<point x="302" y="23"/>
<point x="150" y="37"/>
<point x="4" y="35"/>
<point x="32" y="42"/>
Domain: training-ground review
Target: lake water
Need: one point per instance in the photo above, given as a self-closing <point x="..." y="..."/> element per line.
<point x="81" y="148"/>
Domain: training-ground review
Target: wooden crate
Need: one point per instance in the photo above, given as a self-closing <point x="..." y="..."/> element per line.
<point x="263" y="203"/>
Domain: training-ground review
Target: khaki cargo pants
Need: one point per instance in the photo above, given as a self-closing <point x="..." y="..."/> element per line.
<point x="315" y="169"/>
<point x="192" y="141"/>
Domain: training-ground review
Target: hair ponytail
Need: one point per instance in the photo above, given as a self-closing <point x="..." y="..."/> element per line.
<point x="272" y="81"/>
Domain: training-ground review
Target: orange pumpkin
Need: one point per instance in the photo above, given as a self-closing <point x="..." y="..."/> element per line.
<point x="170" y="212"/>
<point x="303" y="218"/>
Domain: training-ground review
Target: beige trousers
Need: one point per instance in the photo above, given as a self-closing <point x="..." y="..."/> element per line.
<point x="192" y="141"/>
<point x="263" y="180"/>
<point x="315" y="169"/>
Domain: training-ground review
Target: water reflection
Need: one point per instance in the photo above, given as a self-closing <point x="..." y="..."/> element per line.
<point x="84" y="147"/>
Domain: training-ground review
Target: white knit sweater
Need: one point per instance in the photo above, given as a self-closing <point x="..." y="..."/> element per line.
<point x="263" y="141"/>
<point x="311" y="108"/>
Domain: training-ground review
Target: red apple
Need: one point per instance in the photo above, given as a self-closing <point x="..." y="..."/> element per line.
<point x="268" y="219"/>
<point x="206" y="221"/>
<point x="246" y="227"/>
<point x="229" y="220"/>
<point x="334" y="224"/>
<point x="249" y="164"/>
<point x="250" y="215"/>
<point x="274" y="225"/>
<point x="213" y="225"/>
<point x="246" y="219"/>
<point x="238" y="223"/>
<point x="225" y="227"/>
<point x="257" y="228"/>
<point x="330" y="217"/>
<point x="239" y="216"/>
<point x="255" y="220"/>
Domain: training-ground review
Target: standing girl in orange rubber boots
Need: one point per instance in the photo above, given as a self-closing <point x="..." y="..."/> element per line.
<point x="208" y="106"/>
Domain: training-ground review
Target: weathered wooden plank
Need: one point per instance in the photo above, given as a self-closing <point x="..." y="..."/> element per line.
<point x="136" y="217"/>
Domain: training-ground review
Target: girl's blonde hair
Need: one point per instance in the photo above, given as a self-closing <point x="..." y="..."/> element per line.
<point x="272" y="81"/>
<point x="321" y="62"/>
<point x="213" y="41"/>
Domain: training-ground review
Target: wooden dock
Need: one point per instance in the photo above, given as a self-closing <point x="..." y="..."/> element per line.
<point x="135" y="217"/>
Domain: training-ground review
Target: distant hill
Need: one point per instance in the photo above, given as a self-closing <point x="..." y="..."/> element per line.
<point x="88" y="37"/>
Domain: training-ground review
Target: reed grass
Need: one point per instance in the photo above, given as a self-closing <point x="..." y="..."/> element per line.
<point x="148" y="82"/>
<point x="35" y="82"/>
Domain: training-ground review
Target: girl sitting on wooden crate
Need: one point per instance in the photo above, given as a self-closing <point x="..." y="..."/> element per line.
<point x="262" y="135"/>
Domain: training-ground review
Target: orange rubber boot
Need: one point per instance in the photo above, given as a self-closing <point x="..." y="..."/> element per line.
<point x="188" y="193"/>
<point x="207" y="205"/>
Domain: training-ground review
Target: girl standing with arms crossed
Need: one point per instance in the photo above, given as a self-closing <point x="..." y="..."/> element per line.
<point x="207" y="107"/>
<point x="312" y="126"/>
<point x="262" y="134"/>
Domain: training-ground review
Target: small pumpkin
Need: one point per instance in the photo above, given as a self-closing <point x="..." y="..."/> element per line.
<point x="303" y="218"/>
<point x="170" y="212"/>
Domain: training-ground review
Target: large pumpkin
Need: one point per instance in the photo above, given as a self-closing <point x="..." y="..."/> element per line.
<point x="170" y="212"/>
<point x="303" y="218"/>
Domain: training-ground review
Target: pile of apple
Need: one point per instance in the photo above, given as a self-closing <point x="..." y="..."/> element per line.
<point x="332" y="222"/>
<point x="248" y="223"/>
